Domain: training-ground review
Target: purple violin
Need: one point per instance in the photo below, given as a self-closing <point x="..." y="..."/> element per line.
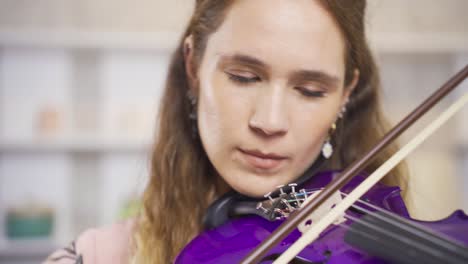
<point x="379" y="221"/>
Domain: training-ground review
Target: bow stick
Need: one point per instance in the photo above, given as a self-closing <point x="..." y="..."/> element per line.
<point x="318" y="227"/>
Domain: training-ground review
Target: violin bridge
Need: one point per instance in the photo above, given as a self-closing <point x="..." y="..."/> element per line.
<point x="321" y="211"/>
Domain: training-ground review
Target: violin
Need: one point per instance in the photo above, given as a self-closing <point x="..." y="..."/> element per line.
<point x="339" y="243"/>
<point x="336" y="217"/>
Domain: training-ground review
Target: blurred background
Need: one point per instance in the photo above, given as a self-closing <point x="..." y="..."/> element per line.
<point x="80" y="83"/>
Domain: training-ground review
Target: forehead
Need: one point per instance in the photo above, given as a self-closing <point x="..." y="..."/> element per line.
<point x="284" y="34"/>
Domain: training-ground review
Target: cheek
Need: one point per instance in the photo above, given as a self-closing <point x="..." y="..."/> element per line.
<point x="311" y="128"/>
<point x="221" y="113"/>
<point x="210" y="120"/>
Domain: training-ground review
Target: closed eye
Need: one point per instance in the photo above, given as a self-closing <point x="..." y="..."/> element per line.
<point x="309" y="93"/>
<point x="242" y="79"/>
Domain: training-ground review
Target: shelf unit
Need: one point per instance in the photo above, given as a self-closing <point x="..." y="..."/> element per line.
<point x="163" y="41"/>
<point x="101" y="92"/>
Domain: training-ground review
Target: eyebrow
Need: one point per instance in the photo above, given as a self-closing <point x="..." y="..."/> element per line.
<point x="244" y="60"/>
<point x="297" y="76"/>
<point x="315" y="76"/>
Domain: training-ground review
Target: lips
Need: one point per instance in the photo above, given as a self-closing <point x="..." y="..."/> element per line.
<point x="261" y="160"/>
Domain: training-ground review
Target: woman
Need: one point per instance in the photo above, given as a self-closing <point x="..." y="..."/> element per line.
<point x="257" y="91"/>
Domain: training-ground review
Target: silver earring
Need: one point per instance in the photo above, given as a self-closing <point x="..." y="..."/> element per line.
<point x="327" y="149"/>
<point x="192" y="98"/>
<point x="342" y="112"/>
<point x="343" y="109"/>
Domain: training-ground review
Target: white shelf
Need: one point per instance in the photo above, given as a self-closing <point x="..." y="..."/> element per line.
<point x="156" y="41"/>
<point x="387" y="42"/>
<point x="74" y="145"/>
<point x="412" y="42"/>
<point x="12" y="249"/>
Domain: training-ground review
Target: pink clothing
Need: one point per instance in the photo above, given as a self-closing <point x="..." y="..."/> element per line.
<point x="97" y="246"/>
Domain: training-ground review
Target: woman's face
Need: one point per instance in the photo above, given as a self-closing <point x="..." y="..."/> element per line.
<point x="271" y="84"/>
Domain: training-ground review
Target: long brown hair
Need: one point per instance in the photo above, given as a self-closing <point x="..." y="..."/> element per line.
<point x="183" y="182"/>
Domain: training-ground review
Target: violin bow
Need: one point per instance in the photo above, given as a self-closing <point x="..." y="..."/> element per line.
<point x="299" y="216"/>
<point x="318" y="227"/>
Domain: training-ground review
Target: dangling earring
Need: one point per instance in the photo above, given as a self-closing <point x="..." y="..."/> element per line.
<point x="327" y="148"/>
<point x="193" y="112"/>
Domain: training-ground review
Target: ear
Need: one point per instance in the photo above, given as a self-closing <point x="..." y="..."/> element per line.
<point x="188" y="58"/>
<point x="350" y="87"/>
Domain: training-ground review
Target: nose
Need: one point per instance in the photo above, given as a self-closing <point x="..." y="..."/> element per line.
<point x="270" y="113"/>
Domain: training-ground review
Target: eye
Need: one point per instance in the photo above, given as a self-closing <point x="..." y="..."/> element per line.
<point x="238" y="78"/>
<point x="309" y="93"/>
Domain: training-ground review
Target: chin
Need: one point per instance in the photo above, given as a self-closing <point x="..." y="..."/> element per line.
<point x="257" y="189"/>
<point x="255" y="193"/>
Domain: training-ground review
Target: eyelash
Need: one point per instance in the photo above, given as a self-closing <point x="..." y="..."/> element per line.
<point x="245" y="80"/>
<point x="308" y="93"/>
<point x="241" y="79"/>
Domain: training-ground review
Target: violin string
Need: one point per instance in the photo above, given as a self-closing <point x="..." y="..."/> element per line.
<point x="377" y="229"/>
<point x="393" y="219"/>
<point x="405" y="224"/>
<point x="396" y="220"/>
<point x="456" y="252"/>
<point x="410" y="243"/>
<point x="433" y="248"/>
<point x="404" y="241"/>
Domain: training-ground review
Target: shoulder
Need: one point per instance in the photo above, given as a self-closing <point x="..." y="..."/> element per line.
<point x="110" y="244"/>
